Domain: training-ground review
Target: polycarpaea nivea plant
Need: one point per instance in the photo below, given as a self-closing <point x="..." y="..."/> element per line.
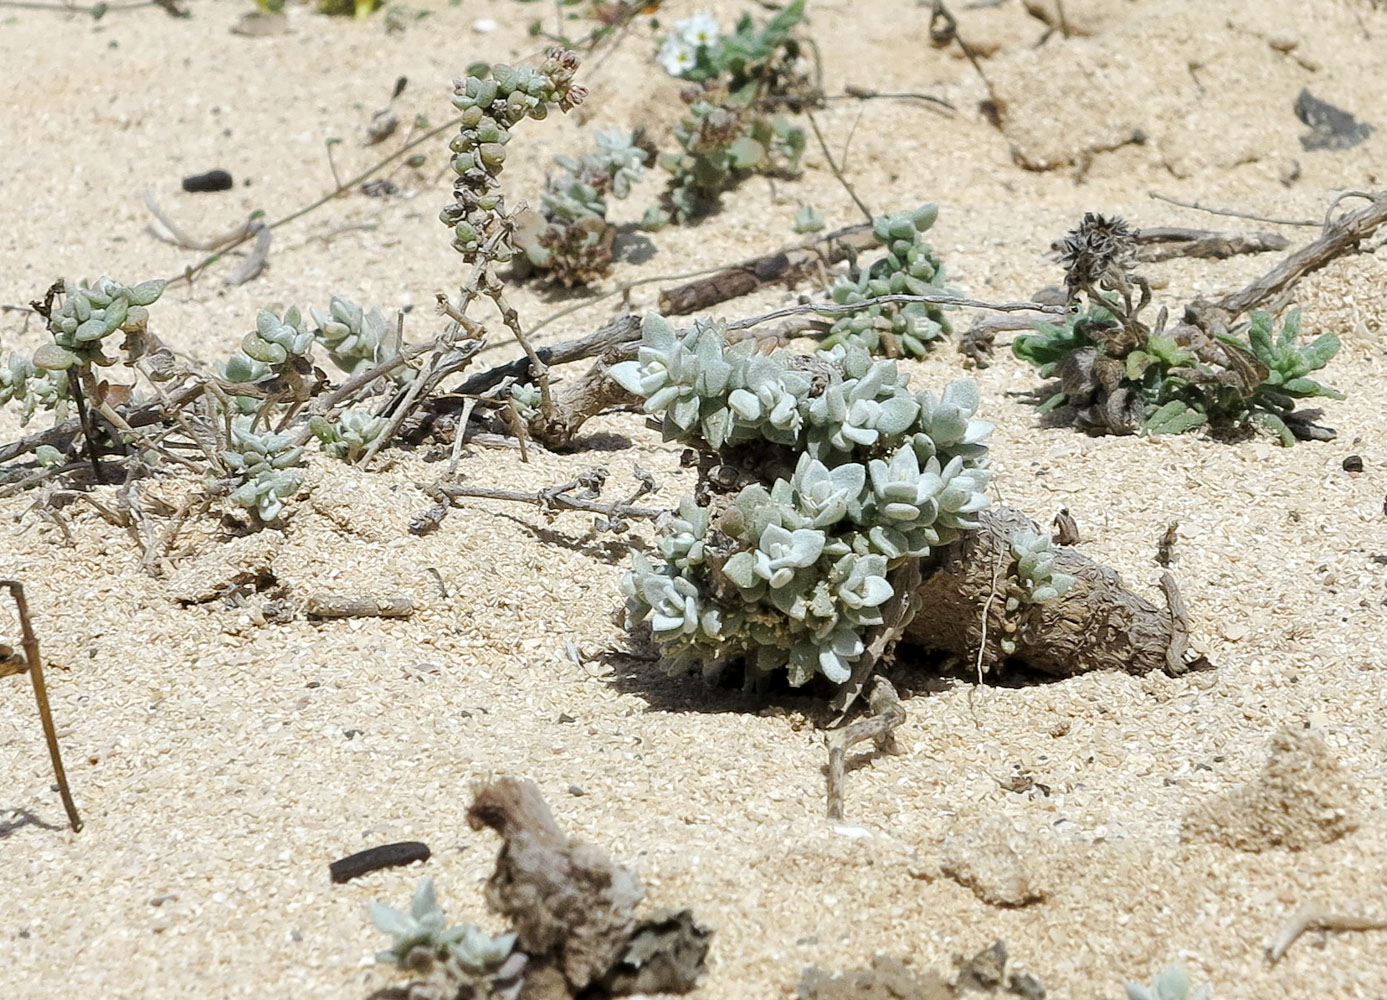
<point x="277" y="345"/>
<point x="263" y="463"/>
<point x="90" y="314"/>
<point x="350" y="436"/>
<point x="357" y="339"/>
<point x="79" y="327"/>
<point x="910" y="267"/>
<point x="1171" y="983"/>
<point x="571" y="237"/>
<point x="425" y="927"/>
<point x="791" y="571"/>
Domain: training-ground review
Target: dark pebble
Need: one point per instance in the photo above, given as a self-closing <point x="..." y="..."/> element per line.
<point x="1354" y="463"/>
<point x="213" y="180"/>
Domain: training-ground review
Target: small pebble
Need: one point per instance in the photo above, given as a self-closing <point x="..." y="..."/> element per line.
<point x="213" y="180"/>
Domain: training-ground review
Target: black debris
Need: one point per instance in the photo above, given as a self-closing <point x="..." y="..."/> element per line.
<point x="375" y="858"/>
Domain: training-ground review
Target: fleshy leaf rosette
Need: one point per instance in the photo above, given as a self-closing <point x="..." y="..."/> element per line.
<point x="855" y="475"/>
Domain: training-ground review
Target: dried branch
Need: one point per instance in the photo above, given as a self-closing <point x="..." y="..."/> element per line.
<point x="850" y="307"/>
<point x="34" y="663"/>
<point x="887" y="714"/>
<point x="1313" y="916"/>
<point x="622" y="330"/>
<point x="1229" y="212"/>
<point x="553" y="499"/>
<point x="789" y="265"/>
<point x="1164" y="243"/>
<point x="1342" y="235"/>
<point x="581" y="399"/>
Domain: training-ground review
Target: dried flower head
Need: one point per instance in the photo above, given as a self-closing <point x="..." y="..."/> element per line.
<point x="1096" y="248"/>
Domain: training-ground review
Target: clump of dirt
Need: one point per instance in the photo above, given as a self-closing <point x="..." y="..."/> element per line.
<point x="995" y="862"/>
<point x="1302" y="798"/>
<point x="891" y="979"/>
<point x="886" y="979"/>
<point x="574" y="910"/>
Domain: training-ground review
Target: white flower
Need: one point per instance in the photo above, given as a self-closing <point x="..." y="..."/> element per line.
<point x="699" y="30"/>
<point x="677" y="55"/>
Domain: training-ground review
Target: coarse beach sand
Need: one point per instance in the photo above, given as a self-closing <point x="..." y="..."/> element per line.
<point x="221" y="761"/>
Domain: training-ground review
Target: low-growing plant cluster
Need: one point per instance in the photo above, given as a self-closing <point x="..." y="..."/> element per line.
<point x="1122" y="376"/>
<point x="422" y="937"/>
<point x="910" y="266"/>
<point x="856" y="475"/>
<point x="730" y="128"/>
<point x="571" y="237"/>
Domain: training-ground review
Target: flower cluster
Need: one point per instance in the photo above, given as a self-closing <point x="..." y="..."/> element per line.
<point x="691" y="39"/>
<point x="791" y="572"/>
<point x="699" y="50"/>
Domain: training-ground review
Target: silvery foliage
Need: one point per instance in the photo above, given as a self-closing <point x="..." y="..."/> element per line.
<point x="350" y="436"/>
<point x="275" y="341"/>
<point x="1171" y="983"/>
<point x="808" y="219"/>
<point x="426" y="926"/>
<point x="489" y="109"/>
<point x="88" y="315"/>
<point x="527" y="398"/>
<point x="578" y="189"/>
<point x="357" y="340"/>
<point x="572" y="236"/>
<point x="910" y="267"/>
<point x="1033" y="579"/>
<point x="791" y="576"/>
<point x="36" y="388"/>
<point x="263" y="463"/>
<point x="1035" y="570"/>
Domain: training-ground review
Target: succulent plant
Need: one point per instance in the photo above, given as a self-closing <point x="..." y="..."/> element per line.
<point x="789" y="573"/>
<point x="88" y="315"/>
<point x="276" y="345"/>
<point x="356" y="339"/>
<point x="808" y="219"/>
<point x="490" y="108"/>
<point x="571" y="237"/>
<point x="263" y="463"/>
<point x="350" y="436"/>
<point x="35" y="388"/>
<point x="722" y="137"/>
<point x="1171" y="983"/>
<point x="426" y="926"/>
<point x="1035" y="570"/>
<point x="276" y="339"/>
<point x="909" y="267"/>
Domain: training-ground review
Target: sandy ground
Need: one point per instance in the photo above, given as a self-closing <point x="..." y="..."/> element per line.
<point x="220" y="764"/>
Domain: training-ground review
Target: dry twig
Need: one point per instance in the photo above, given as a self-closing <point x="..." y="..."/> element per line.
<point x="887" y="714"/>
<point x="788" y="264"/>
<point x="33" y="663"/>
<point x="1312" y="916"/>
